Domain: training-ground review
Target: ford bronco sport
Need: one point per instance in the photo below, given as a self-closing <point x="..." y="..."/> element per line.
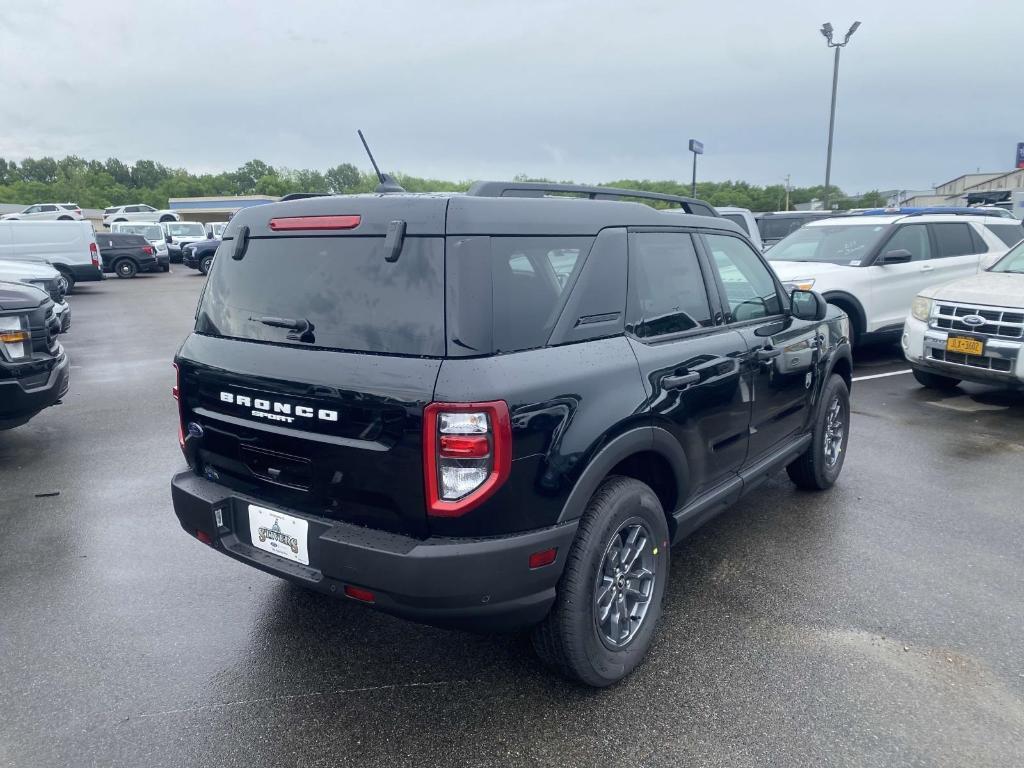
<point x="497" y="410"/>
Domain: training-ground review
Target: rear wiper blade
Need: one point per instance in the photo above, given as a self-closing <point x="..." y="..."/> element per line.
<point x="301" y="329"/>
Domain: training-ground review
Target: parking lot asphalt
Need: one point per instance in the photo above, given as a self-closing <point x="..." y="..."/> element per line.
<point x="876" y="624"/>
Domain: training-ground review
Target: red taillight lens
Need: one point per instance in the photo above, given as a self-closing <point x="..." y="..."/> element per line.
<point x="176" y="394"/>
<point x="467" y="454"/>
<point x="464" y="447"/>
<point x="358" y="593"/>
<point x="148" y="250"/>
<point x="314" y="222"/>
<point x="94" y="254"/>
<point x="544" y="557"/>
<point x="204" y="537"/>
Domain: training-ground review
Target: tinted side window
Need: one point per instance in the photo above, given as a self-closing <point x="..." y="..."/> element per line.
<point x="1011" y="234"/>
<point x="666" y="288"/>
<point x="952" y="240"/>
<point x="749" y="287"/>
<point x="529" y="276"/>
<point x="913" y="238"/>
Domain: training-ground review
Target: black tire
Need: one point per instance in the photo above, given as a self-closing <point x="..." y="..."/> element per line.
<point x="934" y="380"/>
<point x="165" y="218"/>
<point x="118" y="221"/>
<point x="570" y="638"/>
<point x="125" y="268"/>
<point x="64" y="218"/>
<point x="815" y="469"/>
<point x="205" y="263"/>
<point x="69" y="281"/>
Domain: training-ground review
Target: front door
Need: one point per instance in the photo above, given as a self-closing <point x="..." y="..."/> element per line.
<point x="780" y="362"/>
<point x="689" y="359"/>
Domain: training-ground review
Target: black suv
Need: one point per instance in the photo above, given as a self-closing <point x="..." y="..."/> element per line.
<point x="33" y="364"/>
<point x="497" y="410"/>
<point x="126" y="255"/>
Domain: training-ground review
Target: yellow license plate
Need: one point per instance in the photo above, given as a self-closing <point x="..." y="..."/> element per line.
<point x="965" y="346"/>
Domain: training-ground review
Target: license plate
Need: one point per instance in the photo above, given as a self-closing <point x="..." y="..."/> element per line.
<point x="279" y="534"/>
<point x="965" y="346"/>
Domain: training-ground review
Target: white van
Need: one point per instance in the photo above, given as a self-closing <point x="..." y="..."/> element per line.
<point x="746" y="221"/>
<point x="68" y="246"/>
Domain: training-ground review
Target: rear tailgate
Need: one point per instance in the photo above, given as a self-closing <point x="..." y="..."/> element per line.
<point x="326" y="419"/>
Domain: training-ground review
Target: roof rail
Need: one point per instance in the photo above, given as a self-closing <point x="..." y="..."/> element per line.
<point x="302" y="196"/>
<point x="954" y="212"/>
<point x="541" y="188"/>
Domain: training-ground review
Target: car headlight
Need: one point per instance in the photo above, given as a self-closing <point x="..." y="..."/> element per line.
<point x="14" y="338"/>
<point x="798" y="285"/>
<point x="921" y="308"/>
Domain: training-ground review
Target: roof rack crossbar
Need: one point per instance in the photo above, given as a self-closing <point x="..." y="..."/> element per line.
<point x="540" y="188"/>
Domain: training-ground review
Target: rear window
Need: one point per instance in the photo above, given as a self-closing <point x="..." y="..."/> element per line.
<point x="953" y="240"/>
<point x="342" y="287"/>
<point x="148" y="231"/>
<point x="529" y="280"/>
<point x="69" y="206"/>
<point x="1011" y="234"/>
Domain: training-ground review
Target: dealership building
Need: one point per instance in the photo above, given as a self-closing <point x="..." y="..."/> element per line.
<point x="206" y="209"/>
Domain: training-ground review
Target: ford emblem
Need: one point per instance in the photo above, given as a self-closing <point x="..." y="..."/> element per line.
<point x="973" y="320"/>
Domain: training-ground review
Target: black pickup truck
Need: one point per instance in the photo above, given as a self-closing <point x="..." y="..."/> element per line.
<point x="33" y="364"/>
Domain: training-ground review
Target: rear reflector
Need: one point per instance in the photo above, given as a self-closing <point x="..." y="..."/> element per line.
<point x="314" y="222"/>
<point x="358" y="593"/>
<point x="544" y="557"/>
<point x="204" y="537"/>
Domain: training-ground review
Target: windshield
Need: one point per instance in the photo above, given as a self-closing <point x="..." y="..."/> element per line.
<point x="185" y="229"/>
<point x="341" y="287"/>
<point x="148" y="231"/>
<point x="1012" y="262"/>
<point x="835" y="244"/>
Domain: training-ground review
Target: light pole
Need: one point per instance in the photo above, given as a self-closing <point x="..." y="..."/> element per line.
<point x="826" y="30"/>
<point x="697" y="147"/>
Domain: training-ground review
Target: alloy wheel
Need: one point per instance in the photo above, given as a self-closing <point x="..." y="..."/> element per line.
<point x="625" y="584"/>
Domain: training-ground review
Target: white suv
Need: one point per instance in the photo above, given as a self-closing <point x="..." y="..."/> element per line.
<point x="872" y="267"/>
<point x="47" y="212"/>
<point x="138" y="212"/>
<point x="970" y="329"/>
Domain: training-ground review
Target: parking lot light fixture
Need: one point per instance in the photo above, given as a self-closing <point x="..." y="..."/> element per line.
<point x="827" y="32"/>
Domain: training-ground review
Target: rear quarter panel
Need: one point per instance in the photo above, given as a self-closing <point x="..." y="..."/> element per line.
<point x="566" y="402"/>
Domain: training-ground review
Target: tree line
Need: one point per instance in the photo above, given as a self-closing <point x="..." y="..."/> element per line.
<point x="98" y="184"/>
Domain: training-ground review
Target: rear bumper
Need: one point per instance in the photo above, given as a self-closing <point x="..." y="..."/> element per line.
<point x="84" y="273"/>
<point x="22" y="398"/>
<point x="483" y="584"/>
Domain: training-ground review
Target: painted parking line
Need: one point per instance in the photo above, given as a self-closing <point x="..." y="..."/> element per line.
<point x="881" y="375"/>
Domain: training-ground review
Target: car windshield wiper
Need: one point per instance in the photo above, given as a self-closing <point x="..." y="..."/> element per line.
<point x="301" y="329"/>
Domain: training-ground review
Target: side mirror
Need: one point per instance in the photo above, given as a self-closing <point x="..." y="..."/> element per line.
<point x="807" y="305"/>
<point x="899" y="256"/>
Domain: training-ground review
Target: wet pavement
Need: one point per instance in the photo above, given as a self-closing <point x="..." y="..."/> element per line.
<point x="876" y="624"/>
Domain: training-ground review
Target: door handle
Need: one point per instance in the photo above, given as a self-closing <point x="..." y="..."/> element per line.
<point x="927" y="268"/>
<point x="678" y="382"/>
<point x="768" y="353"/>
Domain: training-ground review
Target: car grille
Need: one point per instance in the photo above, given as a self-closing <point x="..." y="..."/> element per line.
<point x="999" y="323"/>
<point x="1001" y="364"/>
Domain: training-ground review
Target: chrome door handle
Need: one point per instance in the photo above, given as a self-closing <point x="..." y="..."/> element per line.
<point x="678" y="382"/>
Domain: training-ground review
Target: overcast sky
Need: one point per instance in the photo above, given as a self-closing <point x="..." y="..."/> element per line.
<point x="588" y="90"/>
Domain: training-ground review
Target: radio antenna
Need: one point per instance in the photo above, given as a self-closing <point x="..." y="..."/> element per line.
<point x="387" y="183"/>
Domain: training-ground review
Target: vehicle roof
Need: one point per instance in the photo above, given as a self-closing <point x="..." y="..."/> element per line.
<point x="891" y="218"/>
<point x="454" y="213"/>
<point x="796" y="214"/>
<point x="731" y="209"/>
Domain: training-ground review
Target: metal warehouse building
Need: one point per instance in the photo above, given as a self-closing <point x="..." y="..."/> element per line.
<point x="206" y="209"/>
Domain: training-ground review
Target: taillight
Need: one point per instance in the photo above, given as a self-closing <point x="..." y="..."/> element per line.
<point x="94" y="254"/>
<point x="467" y="454"/>
<point x="176" y="394"/>
<point x="148" y="250"/>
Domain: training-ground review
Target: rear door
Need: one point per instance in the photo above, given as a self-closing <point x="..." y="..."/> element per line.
<point x="690" y="362"/>
<point x="958" y="251"/>
<point x="325" y="416"/>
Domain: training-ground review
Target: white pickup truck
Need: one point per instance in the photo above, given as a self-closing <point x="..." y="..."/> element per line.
<point x="971" y="329"/>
